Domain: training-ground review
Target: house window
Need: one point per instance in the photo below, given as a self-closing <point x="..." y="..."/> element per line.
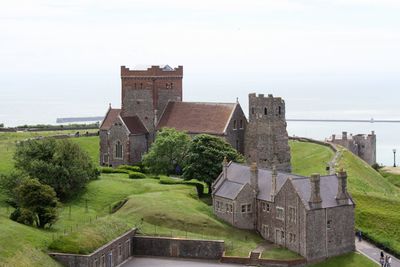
<point x="246" y="208"/>
<point x="280" y="213"/>
<point x="234" y="124"/>
<point x="265" y="230"/>
<point x="292" y="238"/>
<point x="243" y="208"/>
<point x="265" y="111"/>
<point x="292" y="214"/>
<point x="329" y="224"/>
<point x="127" y="248"/>
<point x="241" y="124"/>
<point x="171" y="86"/>
<point x="166" y="86"/>
<point x="118" y="150"/>
<point x="103" y="261"/>
<point x="119" y="250"/>
<point x="96" y="263"/>
<point x="265" y="206"/>
<point x="231" y="208"/>
<point x="227" y="208"/>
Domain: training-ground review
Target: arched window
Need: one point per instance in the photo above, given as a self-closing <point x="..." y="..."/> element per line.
<point x="234" y="125"/>
<point x="265" y="111"/>
<point x="118" y="150"/>
<point x="279" y="110"/>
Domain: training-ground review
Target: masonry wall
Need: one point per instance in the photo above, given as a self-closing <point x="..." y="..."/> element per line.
<point x="145" y="93"/>
<point x="316" y="235"/>
<point x="236" y="129"/>
<point x="222" y="212"/>
<point x="118" y="133"/>
<point x="244" y="220"/>
<point x="103" y="146"/>
<point x="111" y="254"/>
<point x="175" y="247"/>
<point x="138" y="147"/>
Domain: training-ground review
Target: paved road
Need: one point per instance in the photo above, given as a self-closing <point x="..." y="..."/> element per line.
<point x="164" y="262"/>
<point x="373" y="252"/>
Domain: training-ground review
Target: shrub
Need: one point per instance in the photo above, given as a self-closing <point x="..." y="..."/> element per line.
<point x="136" y="175"/>
<point x="112" y="170"/>
<point x="168" y="180"/>
<point x="130" y="168"/>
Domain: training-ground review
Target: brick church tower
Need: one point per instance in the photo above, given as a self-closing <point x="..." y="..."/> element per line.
<point x="146" y="92"/>
<point x="266" y="139"/>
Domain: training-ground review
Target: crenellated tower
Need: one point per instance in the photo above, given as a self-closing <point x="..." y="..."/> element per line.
<point x="266" y="139"/>
<point x="146" y="91"/>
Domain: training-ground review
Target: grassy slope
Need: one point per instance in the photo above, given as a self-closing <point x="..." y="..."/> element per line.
<point x="348" y="260"/>
<point x="308" y="158"/>
<point x="173" y="208"/>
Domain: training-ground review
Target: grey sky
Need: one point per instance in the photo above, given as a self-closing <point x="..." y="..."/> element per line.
<point x="326" y="58"/>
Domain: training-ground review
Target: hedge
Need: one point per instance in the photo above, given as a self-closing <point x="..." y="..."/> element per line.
<point x="136" y="175"/>
<point x="112" y="170"/>
<point x="130" y="168"/>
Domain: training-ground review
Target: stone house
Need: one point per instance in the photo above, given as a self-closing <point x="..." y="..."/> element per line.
<point x="312" y="216"/>
<point x="361" y="145"/>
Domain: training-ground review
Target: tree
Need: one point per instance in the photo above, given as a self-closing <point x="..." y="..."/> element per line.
<point x="1" y="125"/>
<point x="168" y="152"/>
<point x="61" y="164"/>
<point x="37" y="203"/>
<point x="204" y="161"/>
<point x="8" y="183"/>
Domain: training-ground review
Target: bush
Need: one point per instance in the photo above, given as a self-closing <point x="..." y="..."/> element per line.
<point x="136" y="175"/>
<point x="130" y="168"/>
<point x="112" y="170"/>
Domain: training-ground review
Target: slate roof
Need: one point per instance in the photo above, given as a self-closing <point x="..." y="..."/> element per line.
<point x="239" y="174"/>
<point x="108" y="121"/>
<point x="135" y="125"/>
<point x="197" y="117"/>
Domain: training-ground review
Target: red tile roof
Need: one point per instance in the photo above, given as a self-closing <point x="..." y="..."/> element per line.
<point x="108" y="121"/>
<point x="135" y="125"/>
<point x="192" y="117"/>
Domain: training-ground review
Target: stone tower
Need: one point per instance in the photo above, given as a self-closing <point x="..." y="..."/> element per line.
<point x="266" y="139"/>
<point x="146" y="92"/>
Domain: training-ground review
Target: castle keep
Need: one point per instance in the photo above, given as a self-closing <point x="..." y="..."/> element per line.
<point x="362" y="145"/>
<point x="151" y="98"/>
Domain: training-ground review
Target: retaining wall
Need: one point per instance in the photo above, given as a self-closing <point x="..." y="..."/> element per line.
<point x="111" y="254"/>
<point x="176" y="247"/>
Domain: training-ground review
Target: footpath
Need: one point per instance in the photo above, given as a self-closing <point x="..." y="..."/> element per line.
<point x="373" y="252"/>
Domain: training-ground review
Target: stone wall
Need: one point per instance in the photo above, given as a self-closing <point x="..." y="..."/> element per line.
<point x="236" y="129"/>
<point x="257" y="261"/>
<point x="175" y="247"/>
<point x="111" y="254"/>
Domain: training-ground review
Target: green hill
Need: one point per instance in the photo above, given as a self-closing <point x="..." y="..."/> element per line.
<point x="85" y="223"/>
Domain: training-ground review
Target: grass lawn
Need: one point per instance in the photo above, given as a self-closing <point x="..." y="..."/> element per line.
<point x="348" y="260"/>
<point x="280" y="253"/>
<point x="308" y="158"/>
<point x="392" y="176"/>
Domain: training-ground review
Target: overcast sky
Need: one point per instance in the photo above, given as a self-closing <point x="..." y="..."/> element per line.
<point x="326" y="58"/>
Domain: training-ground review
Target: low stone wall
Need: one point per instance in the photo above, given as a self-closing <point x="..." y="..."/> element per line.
<point x="176" y="247"/>
<point x="111" y="254"/>
<point x="263" y="262"/>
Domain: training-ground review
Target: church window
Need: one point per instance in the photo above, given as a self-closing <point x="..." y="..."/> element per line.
<point x="118" y="150"/>
<point x="241" y="124"/>
<point x="105" y="158"/>
<point x="280" y="213"/>
<point x="265" y="111"/>
<point x="166" y="86"/>
<point x="252" y="110"/>
<point x="141" y="85"/>
<point x="329" y="224"/>
<point x="279" y="110"/>
<point x="234" y="124"/>
<point x="171" y="86"/>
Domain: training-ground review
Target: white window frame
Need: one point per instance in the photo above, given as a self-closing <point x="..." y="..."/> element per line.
<point x="265" y="207"/>
<point x="282" y="218"/>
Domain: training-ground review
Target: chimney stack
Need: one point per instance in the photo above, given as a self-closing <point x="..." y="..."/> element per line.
<point x="342" y="194"/>
<point x="225" y="168"/>
<point x="273" y="183"/>
<point x="254" y="176"/>
<point x="315" y="198"/>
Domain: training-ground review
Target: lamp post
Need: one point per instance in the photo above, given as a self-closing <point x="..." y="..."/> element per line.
<point x="394" y="157"/>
